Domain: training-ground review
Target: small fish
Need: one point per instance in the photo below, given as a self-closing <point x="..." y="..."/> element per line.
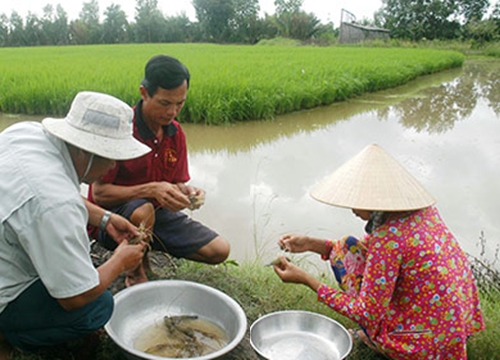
<point x="196" y="201"/>
<point x="176" y="319"/>
<point x="276" y="261"/>
<point x="173" y="325"/>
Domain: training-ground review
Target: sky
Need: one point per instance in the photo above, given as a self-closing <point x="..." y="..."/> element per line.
<point x="325" y="10"/>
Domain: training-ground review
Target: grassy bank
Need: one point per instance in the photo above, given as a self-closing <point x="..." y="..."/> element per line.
<point x="465" y="47"/>
<point x="229" y="83"/>
<point x="259" y="291"/>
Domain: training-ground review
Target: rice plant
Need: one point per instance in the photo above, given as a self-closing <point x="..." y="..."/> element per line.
<point x="229" y="83"/>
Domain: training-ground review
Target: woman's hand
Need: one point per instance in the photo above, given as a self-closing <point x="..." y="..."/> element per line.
<point x="289" y="273"/>
<point x="294" y="243"/>
<point x="301" y="243"/>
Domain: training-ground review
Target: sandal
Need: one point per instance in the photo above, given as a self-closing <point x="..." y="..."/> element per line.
<point x="359" y="335"/>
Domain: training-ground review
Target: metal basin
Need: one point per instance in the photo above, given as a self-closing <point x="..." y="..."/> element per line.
<point x="141" y="305"/>
<point x="294" y="335"/>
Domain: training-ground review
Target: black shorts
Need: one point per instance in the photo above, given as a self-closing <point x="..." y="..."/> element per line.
<point x="173" y="232"/>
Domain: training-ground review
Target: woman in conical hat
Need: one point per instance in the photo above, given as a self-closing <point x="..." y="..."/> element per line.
<point x="407" y="282"/>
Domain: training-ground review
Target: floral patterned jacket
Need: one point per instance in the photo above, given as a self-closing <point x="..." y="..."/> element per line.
<point x="418" y="298"/>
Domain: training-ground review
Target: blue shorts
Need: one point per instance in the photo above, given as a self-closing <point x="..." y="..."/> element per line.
<point x="35" y="319"/>
<point x="173" y="232"/>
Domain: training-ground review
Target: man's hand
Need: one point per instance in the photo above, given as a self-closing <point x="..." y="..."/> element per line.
<point x="170" y="196"/>
<point x="196" y="195"/>
<point x="130" y="255"/>
<point x="119" y="228"/>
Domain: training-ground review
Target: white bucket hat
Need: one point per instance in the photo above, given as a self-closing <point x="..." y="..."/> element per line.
<point x="373" y="180"/>
<point x="100" y="124"/>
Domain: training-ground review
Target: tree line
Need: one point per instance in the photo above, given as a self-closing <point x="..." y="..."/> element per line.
<point x="238" y="21"/>
<point x="218" y="21"/>
<point x="440" y="19"/>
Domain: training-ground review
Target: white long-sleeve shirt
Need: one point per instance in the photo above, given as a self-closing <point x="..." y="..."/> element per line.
<point x="42" y="216"/>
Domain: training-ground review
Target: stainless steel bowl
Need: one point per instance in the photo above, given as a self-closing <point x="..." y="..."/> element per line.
<point x="139" y="306"/>
<point x="294" y="335"/>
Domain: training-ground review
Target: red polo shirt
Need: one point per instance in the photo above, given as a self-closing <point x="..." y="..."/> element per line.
<point x="167" y="162"/>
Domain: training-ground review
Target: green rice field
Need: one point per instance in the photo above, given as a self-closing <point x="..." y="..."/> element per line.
<point x="229" y="83"/>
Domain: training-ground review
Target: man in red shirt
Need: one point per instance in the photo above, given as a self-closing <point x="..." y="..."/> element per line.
<point x="152" y="190"/>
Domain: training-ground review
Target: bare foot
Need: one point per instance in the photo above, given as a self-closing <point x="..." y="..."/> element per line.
<point x="135" y="277"/>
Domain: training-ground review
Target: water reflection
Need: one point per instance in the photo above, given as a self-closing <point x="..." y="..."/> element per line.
<point x="443" y="128"/>
<point x="243" y="137"/>
<point x="439" y="109"/>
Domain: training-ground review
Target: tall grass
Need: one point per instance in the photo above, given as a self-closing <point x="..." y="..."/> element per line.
<point x="229" y="83"/>
<point x="493" y="50"/>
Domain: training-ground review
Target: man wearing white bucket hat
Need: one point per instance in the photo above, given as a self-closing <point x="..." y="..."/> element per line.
<point x="407" y="282"/>
<point x="50" y="291"/>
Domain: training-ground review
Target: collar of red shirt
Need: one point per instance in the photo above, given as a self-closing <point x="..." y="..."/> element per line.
<point x="169" y="130"/>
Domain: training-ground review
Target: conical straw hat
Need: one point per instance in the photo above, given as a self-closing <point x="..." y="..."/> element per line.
<point x="373" y="180"/>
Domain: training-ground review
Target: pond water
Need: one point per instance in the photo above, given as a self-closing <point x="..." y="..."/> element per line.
<point x="444" y="128"/>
